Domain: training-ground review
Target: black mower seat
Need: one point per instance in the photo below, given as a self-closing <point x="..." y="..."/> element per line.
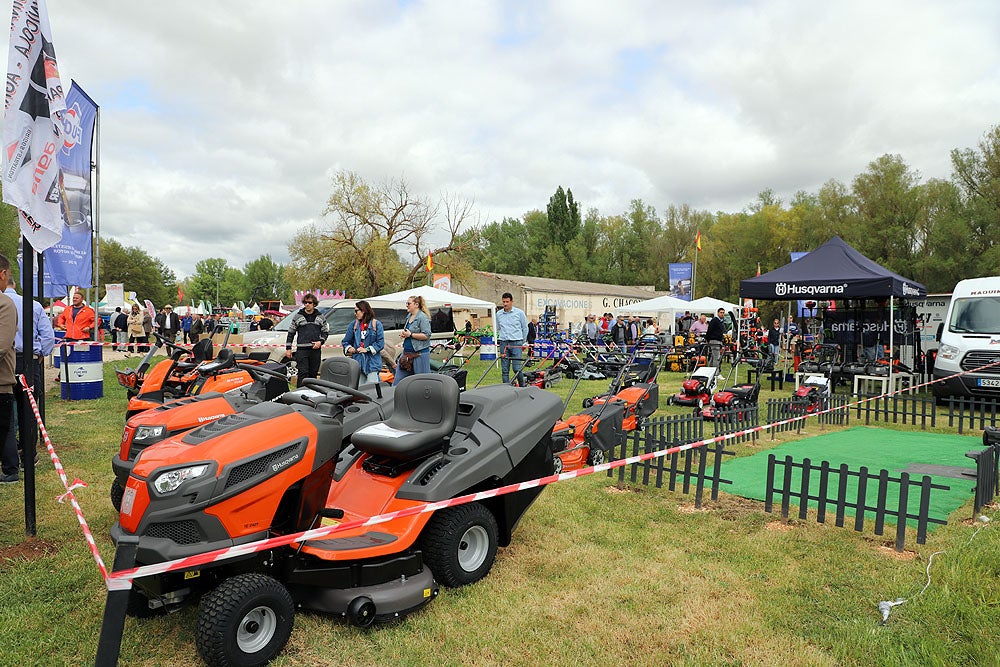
<point x="223" y="360"/>
<point x="341" y="370"/>
<point x="202" y="351"/>
<point x="425" y="414"/>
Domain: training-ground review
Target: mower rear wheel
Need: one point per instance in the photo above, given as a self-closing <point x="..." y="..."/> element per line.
<point x="117" y="493"/>
<point x="460" y="544"/>
<point x="245" y="621"/>
<point x="596" y="457"/>
<point x="557" y="465"/>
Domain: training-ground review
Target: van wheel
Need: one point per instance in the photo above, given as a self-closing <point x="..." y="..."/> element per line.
<point x="117" y="493"/>
<point x="460" y="544"/>
<point x="245" y="621"/>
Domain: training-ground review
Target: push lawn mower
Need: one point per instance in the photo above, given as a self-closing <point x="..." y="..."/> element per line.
<point x="274" y="470"/>
<point x="811" y="394"/>
<point x="744" y="395"/>
<point x="586" y="437"/>
<point x="697" y="390"/>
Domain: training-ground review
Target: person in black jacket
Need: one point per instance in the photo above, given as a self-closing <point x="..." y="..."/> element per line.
<point x="532" y="336"/>
<point x="716" y="332"/>
<point x="120" y="324"/>
<point x="312" y="330"/>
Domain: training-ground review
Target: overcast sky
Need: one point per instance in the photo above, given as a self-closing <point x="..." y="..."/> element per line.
<point x="223" y="121"/>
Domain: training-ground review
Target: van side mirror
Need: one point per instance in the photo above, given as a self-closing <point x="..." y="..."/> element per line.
<point x="939" y="330"/>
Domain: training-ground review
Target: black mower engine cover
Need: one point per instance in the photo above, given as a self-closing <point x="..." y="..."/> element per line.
<point x="500" y="429"/>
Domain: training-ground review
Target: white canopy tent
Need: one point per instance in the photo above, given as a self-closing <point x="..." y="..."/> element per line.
<point x="707" y="304"/>
<point x="437" y="297"/>
<point x="434" y="297"/>
<point x="660" y="304"/>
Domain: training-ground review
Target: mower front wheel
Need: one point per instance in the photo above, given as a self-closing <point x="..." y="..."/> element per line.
<point x="460" y="544"/>
<point x="117" y="493"/>
<point x="245" y="621"/>
<point x="596" y="457"/>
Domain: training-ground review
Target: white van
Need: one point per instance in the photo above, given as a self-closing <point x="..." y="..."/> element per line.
<point x="970" y="338"/>
<point x="339" y="315"/>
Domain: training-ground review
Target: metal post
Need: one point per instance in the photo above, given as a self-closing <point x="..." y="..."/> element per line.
<point x="109" y="642"/>
<point x="26" y="418"/>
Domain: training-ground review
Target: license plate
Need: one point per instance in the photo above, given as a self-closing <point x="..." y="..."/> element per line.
<point x="127" y="500"/>
<point x="989" y="382"/>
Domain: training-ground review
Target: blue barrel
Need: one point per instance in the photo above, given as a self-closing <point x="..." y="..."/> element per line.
<point x="55" y="352"/>
<point x="543" y="347"/>
<point x="487" y="349"/>
<point x="82" y="376"/>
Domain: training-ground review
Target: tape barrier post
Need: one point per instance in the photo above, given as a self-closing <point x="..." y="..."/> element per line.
<point x="109" y="643"/>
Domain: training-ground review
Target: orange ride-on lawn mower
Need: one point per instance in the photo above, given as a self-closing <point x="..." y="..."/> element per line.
<point x="178" y="375"/>
<point x="742" y="395"/>
<point x="270" y="380"/>
<point x="281" y="467"/>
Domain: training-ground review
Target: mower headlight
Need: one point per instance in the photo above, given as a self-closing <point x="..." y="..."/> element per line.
<point x="170" y="481"/>
<point x="946" y="351"/>
<point x="146" y="433"/>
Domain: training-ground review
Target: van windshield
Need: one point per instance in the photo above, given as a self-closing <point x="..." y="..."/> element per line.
<point x="980" y="315"/>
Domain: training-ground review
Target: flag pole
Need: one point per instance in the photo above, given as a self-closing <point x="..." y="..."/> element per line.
<point x="694" y="270"/>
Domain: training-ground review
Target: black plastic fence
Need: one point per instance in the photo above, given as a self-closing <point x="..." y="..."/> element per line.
<point x="987" y="475"/>
<point x="735" y="421"/>
<point x="697" y="467"/>
<point x="781" y="409"/>
<point x="903" y="409"/>
<point x="972" y="412"/>
<point x="781" y="484"/>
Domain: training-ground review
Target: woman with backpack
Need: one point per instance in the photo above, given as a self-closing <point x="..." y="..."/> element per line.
<point x="364" y="340"/>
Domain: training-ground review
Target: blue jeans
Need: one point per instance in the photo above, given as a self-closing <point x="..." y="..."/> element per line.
<point x="421" y="364"/>
<point x="510" y="351"/>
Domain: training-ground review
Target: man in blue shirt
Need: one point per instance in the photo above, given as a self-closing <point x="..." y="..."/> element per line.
<point x="44" y="339"/>
<point x="512" y="330"/>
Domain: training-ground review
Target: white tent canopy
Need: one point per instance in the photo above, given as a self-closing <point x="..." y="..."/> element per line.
<point x="707" y="304"/>
<point x="434" y="297"/>
<point x="661" y="304"/>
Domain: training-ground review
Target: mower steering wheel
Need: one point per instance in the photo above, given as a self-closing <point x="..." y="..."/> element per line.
<point x="256" y="371"/>
<point x="326" y="384"/>
<point x="166" y="343"/>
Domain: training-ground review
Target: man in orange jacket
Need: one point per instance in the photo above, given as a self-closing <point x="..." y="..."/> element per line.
<point x="77" y="320"/>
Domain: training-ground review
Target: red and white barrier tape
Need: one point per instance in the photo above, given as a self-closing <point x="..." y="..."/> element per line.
<point x="123" y="579"/>
<point x="253" y="547"/>
<point x="77" y="483"/>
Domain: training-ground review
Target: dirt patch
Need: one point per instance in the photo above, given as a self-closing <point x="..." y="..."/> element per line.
<point x="76" y="412"/>
<point x="734" y="508"/>
<point x="890" y="551"/>
<point x="623" y="488"/>
<point x="30" y="549"/>
<point x="779" y="526"/>
<point x="689" y="508"/>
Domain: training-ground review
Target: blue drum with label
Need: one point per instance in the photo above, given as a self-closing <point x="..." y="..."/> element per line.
<point x="487" y="349"/>
<point x="81" y="375"/>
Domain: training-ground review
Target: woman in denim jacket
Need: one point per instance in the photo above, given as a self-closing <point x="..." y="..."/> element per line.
<point x="364" y="341"/>
<point x="416" y="337"/>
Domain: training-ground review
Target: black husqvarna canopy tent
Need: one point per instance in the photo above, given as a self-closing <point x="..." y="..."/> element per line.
<point x="834" y="270"/>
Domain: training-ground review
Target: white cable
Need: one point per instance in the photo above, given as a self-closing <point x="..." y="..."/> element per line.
<point x="885" y="606"/>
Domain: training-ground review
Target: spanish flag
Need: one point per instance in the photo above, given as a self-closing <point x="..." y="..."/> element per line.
<point x="430" y="262"/>
<point x="697" y="240"/>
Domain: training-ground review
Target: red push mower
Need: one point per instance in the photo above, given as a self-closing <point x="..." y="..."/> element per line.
<point x="740" y="396"/>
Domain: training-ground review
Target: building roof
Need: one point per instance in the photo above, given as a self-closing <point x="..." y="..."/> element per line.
<point x="574" y="286"/>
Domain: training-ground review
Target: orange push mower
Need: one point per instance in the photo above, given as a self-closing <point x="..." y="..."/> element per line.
<point x="585" y="438"/>
<point x="283" y="467"/>
<point x="178" y="375"/>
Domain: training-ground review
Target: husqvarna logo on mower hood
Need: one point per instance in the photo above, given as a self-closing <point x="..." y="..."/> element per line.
<point x="286" y="462"/>
<point x="784" y="289"/>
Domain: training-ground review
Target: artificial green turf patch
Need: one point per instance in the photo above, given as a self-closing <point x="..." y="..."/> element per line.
<point x="874" y="448"/>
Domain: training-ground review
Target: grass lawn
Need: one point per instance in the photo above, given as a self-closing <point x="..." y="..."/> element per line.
<point x="596" y="575"/>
